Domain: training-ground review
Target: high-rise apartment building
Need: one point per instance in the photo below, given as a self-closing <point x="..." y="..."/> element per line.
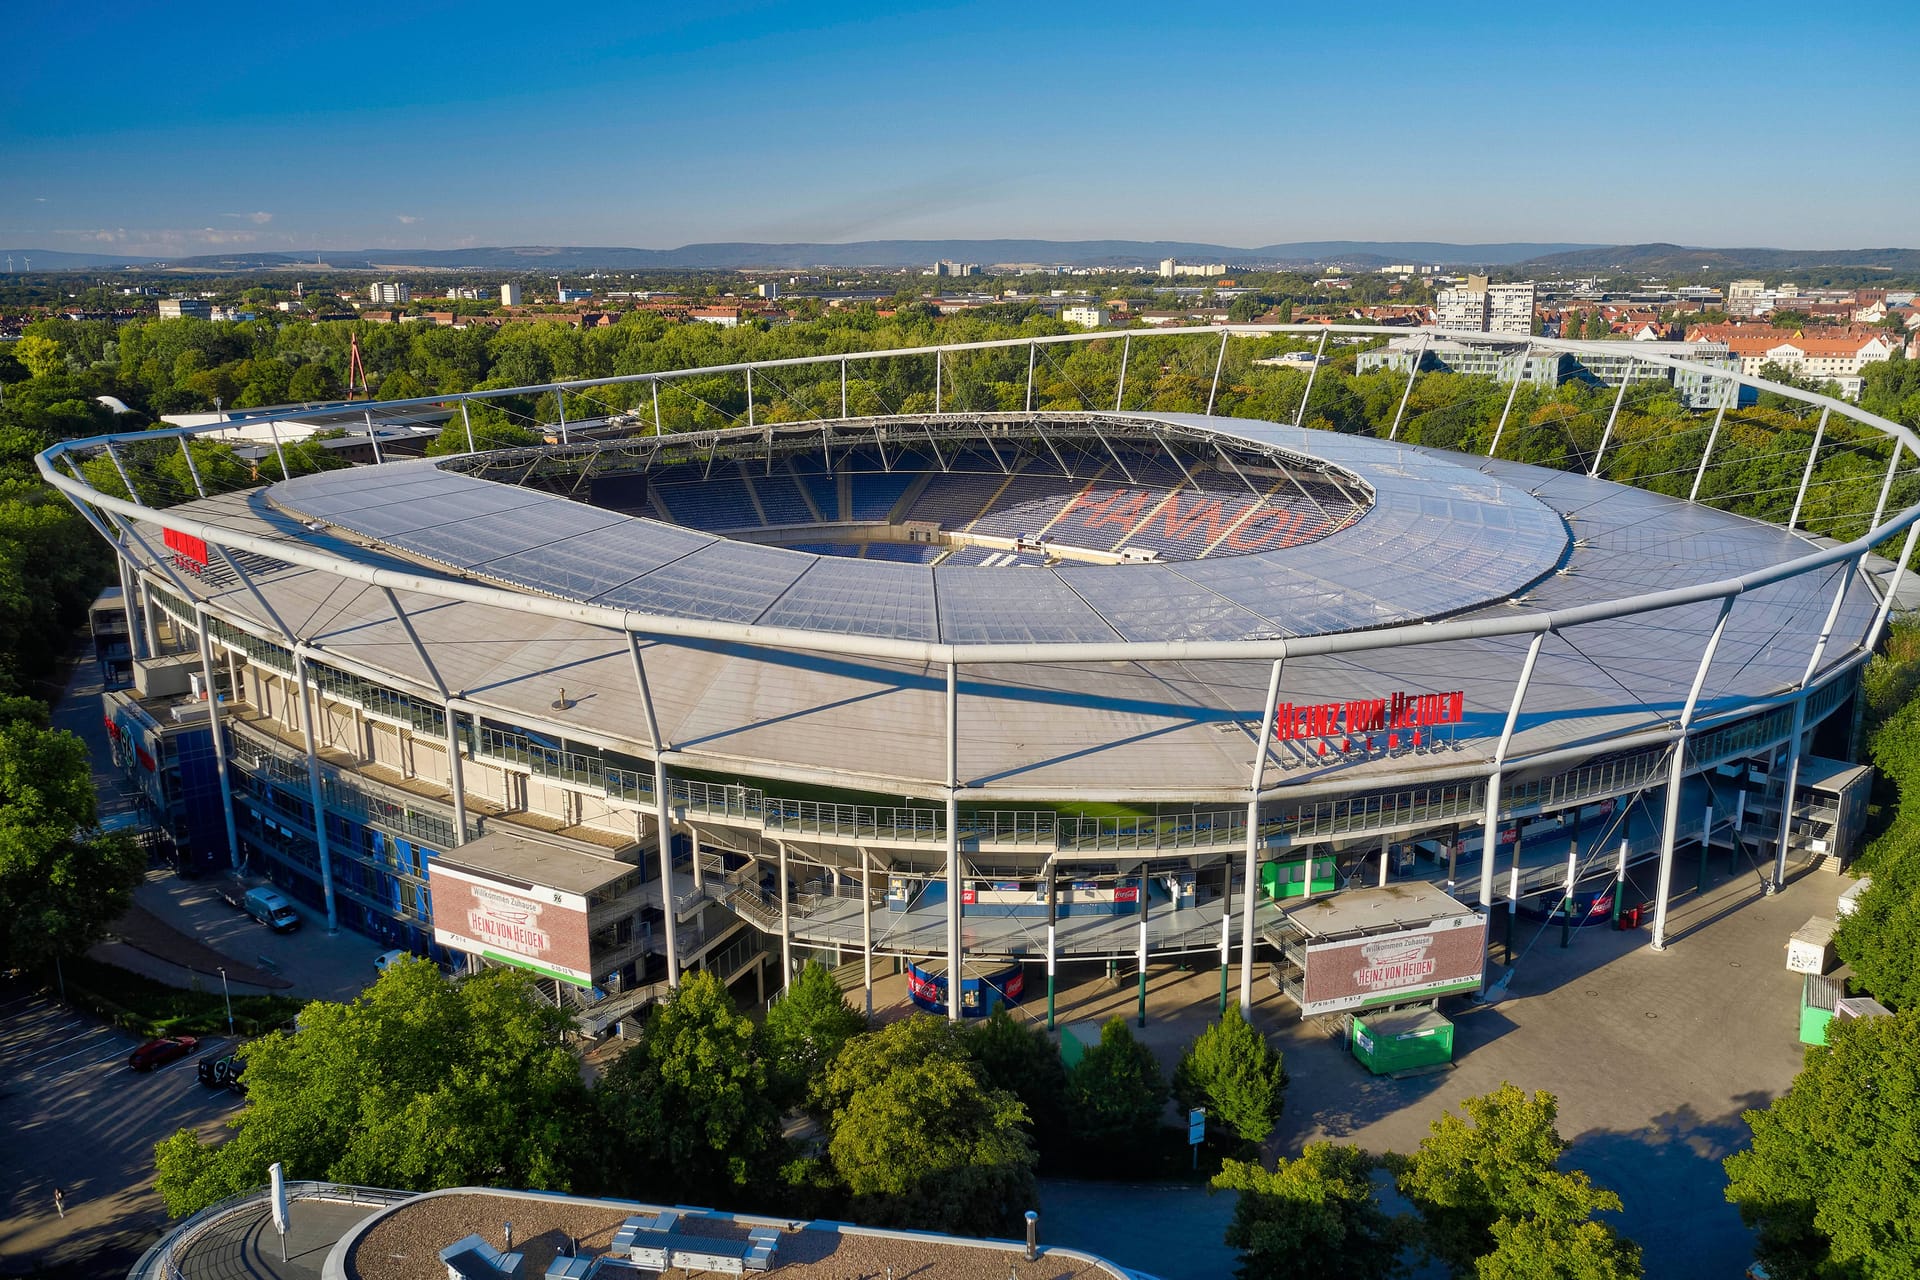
<point x="1487" y="308"/>
<point x="510" y="294"/>
<point x="383" y="293"/>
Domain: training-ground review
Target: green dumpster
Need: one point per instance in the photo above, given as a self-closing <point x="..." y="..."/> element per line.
<point x="1401" y="1040"/>
<point x="1819" y="997"/>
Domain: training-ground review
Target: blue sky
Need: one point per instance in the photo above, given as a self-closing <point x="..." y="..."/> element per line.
<point x="150" y="128"/>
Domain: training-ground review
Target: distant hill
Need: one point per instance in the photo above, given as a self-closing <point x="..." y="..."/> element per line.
<point x="57" y="260"/>
<point x="741" y="255"/>
<point x="1661" y="259"/>
<point x="1673" y="259"/>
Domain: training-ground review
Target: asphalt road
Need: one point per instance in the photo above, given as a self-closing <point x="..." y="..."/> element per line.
<point x="78" y="1118"/>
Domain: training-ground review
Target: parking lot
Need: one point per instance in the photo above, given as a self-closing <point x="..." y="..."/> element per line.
<point x="78" y="1118"/>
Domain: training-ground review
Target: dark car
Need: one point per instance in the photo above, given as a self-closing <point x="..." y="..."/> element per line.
<point x="224" y="1072"/>
<point x="157" y="1053"/>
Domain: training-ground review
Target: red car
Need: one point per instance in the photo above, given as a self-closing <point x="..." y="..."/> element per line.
<point x="157" y="1053"/>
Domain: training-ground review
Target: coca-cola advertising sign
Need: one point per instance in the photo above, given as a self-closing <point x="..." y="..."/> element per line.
<point x="540" y="929"/>
<point x="1443" y="956"/>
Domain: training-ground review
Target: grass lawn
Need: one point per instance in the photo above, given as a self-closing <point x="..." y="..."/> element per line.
<point x="150" y="1008"/>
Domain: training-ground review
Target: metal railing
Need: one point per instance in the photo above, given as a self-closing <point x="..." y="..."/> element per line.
<point x="161" y="1261"/>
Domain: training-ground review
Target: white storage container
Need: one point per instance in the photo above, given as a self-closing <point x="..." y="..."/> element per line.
<point x="1811" y="948"/>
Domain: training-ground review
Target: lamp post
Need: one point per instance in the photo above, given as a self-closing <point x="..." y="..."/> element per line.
<point x="227" y="995"/>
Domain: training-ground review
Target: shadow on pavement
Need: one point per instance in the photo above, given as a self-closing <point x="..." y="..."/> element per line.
<point x="1672" y="1188"/>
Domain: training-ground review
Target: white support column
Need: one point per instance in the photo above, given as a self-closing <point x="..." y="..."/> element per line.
<point x="1250" y="893"/>
<point x="274" y="429"/>
<point x="456" y="774"/>
<point x="1126" y="353"/>
<point x="663" y="813"/>
<point x="466" y="417"/>
<point x="1789" y="785"/>
<point x="314" y="792"/>
<point x="866" y="930"/>
<point x="1219" y="363"/>
<point x="1626" y="379"/>
<point x="1490" y="837"/>
<point x="1713" y="437"/>
<point x="1033" y="349"/>
<point x="1886" y="485"/>
<point x="843" y="388"/>
<point x="1806" y="474"/>
<point x="139" y="644"/>
<point x="749" y="395"/>
<point x="1800" y="721"/>
<point x="693" y="850"/>
<point x="1891" y="588"/>
<point x="939" y="369"/>
<point x="1306" y="397"/>
<point x="1413" y="371"/>
<point x="560" y="398"/>
<point x="1519" y="376"/>
<point x="219" y="738"/>
<point x="954" y="952"/>
<point x="373" y="439"/>
<point x="656" y="406"/>
<point x="786" y="923"/>
<point x="193" y="472"/>
<point x="1676" y="771"/>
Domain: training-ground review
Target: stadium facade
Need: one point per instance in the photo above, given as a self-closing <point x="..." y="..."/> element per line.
<point x="965" y="691"/>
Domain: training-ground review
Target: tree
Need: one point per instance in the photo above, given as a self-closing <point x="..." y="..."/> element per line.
<point x="1466" y="1178"/>
<point x="806" y="1029"/>
<point x="870" y="1058"/>
<point x="1116" y="1092"/>
<point x="420" y="1082"/>
<point x="929" y="1145"/>
<point x="1545" y="1249"/>
<point x="62" y="882"/>
<point x="1832" y="1180"/>
<point x="41" y="355"/>
<point x="688" y="1109"/>
<point x="1232" y="1072"/>
<point x="1313" y="1217"/>
<point x="1024" y="1062"/>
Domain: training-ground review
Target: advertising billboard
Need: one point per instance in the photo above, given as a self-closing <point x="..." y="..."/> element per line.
<point x="535" y="928"/>
<point x="1441" y="956"/>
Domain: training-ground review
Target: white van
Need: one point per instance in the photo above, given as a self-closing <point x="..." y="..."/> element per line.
<point x="272" y="910"/>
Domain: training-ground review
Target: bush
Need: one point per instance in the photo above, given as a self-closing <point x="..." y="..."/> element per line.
<point x="1232" y="1072"/>
<point x="1115" y="1094"/>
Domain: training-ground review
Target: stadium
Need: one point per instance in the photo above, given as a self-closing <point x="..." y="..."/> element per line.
<point x="964" y="692"/>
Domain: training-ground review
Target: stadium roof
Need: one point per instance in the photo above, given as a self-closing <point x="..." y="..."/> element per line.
<point x="1439" y="538"/>
<point x="1174" y="730"/>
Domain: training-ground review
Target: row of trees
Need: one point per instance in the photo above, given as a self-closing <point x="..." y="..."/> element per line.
<point x="164" y="366"/>
<point x="1832" y="1179"/>
<point x="1487" y="1194"/>
<point x="425" y="1082"/>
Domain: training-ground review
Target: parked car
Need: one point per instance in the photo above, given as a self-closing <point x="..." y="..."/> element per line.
<point x="160" y="1051"/>
<point x="271" y="909"/>
<point x="224" y="1072"/>
<point x="386" y="959"/>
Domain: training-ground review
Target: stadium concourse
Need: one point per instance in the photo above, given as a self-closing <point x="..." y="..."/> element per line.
<point x="964" y="691"/>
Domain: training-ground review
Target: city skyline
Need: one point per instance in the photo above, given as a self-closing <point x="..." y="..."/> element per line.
<point x="456" y="127"/>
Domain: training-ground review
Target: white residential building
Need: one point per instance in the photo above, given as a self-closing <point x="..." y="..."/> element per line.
<point x="1484" y="307"/>
<point x="510" y="294"/>
<point x="1174" y="267"/>
<point x="1088" y="315"/>
<point x="382" y="294"/>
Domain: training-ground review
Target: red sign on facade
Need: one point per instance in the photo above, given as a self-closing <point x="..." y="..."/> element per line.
<point x="186" y="546"/>
<point x="1292" y="721"/>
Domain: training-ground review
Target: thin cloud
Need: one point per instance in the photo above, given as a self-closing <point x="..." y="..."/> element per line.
<point x="259" y="218"/>
<point x="407" y="218"/>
